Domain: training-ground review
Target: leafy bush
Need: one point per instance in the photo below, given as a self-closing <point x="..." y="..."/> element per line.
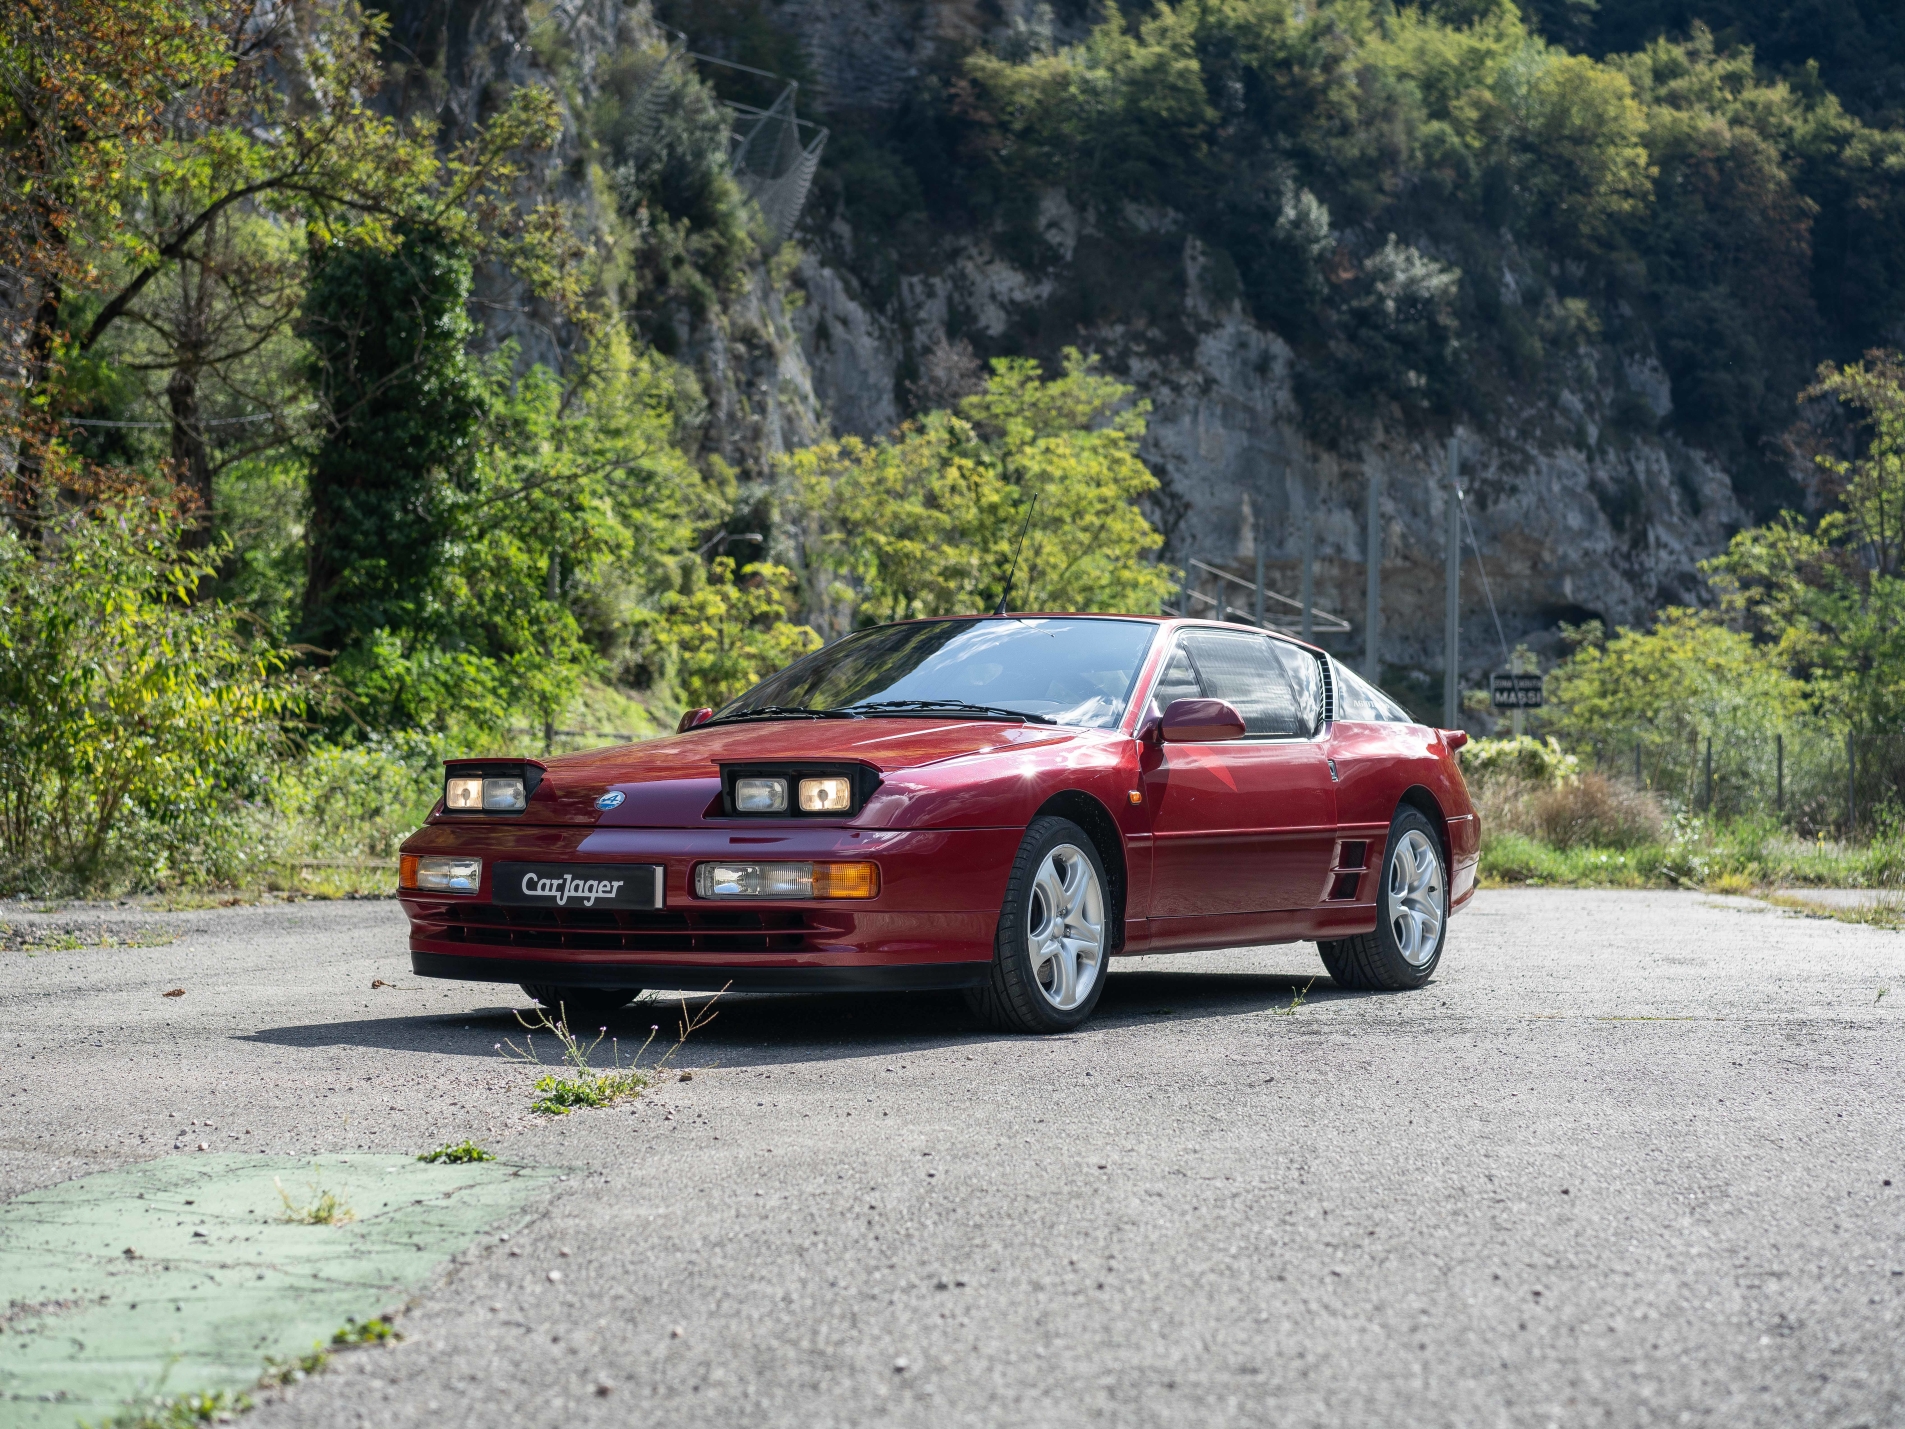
<point x="1524" y="759"/>
<point x="1671" y="691"/>
<point x="355" y="801"/>
<point x="124" y="701"/>
<point x="1734" y="854"/>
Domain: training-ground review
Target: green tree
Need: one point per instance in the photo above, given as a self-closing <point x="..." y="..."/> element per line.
<point x="120" y="698"/>
<point x="387" y="333"/>
<point x="1829" y="596"/>
<point x="929" y="521"/>
<point x="1670" y="690"/>
<point x="732" y="631"/>
<point x="195" y="236"/>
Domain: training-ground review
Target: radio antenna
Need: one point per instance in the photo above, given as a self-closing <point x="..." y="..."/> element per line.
<point x="1019" y="550"/>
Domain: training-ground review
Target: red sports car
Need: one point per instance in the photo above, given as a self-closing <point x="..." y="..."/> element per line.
<point x="995" y="804"/>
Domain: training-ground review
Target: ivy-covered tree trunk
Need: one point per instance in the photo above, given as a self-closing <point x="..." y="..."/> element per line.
<point x="388" y="335"/>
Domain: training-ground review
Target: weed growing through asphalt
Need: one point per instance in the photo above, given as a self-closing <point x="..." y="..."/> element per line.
<point x="1881" y="997"/>
<point x="189" y="1411"/>
<point x="1296" y="1000"/>
<point x="585" y="1085"/>
<point x="1882" y="912"/>
<point x="352" y="1335"/>
<point x="184" y="1411"/>
<point x="33" y="939"/>
<point x="457" y="1155"/>
<point x="326" y="1208"/>
<point x="376" y="1331"/>
<point x="279" y="1373"/>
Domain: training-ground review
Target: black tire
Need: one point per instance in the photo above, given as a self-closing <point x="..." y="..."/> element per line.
<point x="1026" y="993"/>
<point x="583" y="1008"/>
<point x="1380" y="961"/>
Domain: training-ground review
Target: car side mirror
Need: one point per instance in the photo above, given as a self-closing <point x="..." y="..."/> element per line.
<point x="691" y="718"/>
<point x="1201" y="722"/>
<point x="1454" y="738"/>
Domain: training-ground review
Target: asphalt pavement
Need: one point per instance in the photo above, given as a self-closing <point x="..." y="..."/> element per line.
<point x="1631" y="1159"/>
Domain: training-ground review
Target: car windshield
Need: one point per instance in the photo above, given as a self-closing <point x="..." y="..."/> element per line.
<point x="1067" y="671"/>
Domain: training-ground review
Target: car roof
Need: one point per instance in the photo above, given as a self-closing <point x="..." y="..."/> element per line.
<point x="1175" y="622"/>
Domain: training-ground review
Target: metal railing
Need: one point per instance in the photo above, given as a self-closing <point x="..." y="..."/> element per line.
<point x="1192" y="601"/>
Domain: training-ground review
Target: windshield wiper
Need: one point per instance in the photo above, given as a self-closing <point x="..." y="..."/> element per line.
<point x="948" y="706"/>
<point x="779" y="712"/>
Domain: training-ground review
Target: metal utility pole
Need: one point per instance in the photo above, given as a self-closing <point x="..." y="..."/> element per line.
<point x="1261" y="533"/>
<point x="1308" y="591"/>
<point x="1452" y="619"/>
<point x="1518" y="665"/>
<point x="1372" y="567"/>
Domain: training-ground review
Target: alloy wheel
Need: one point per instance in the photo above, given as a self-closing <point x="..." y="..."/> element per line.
<point x="1415" y="897"/>
<point x="1065" y="927"/>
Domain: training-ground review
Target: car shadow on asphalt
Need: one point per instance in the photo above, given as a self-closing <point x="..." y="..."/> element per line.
<point x="763" y="1028"/>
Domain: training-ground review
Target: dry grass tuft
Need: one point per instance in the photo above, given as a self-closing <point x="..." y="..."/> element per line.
<point x="1590" y="811"/>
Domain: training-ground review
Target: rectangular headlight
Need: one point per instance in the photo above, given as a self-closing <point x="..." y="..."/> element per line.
<point x="826" y="795"/>
<point x="787" y="880"/>
<point x="760" y="796"/>
<point x="439" y="873"/>
<point x="504" y="796"/>
<point x="462" y="792"/>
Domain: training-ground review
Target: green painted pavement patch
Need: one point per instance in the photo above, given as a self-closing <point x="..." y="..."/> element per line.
<point x="182" y="1275"/>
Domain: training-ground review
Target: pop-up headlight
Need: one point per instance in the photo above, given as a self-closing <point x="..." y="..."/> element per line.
<point x="489" y="788"/>
<point x="760" y="796"/>
<point x="796" y="790"/>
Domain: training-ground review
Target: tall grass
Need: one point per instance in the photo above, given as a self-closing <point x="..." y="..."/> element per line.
<point x="1731" y="856"/>
<point x="1545" y="822"/>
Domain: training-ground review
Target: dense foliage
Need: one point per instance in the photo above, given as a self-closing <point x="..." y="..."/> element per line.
<point x="1801" y="660"/>
<point x="1438" y="206"/>
<point x="1028" y="480"/>
<point x="124" y="702"/>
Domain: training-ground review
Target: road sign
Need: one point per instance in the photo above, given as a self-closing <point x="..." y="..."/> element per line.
<point x="1515" y="692"/>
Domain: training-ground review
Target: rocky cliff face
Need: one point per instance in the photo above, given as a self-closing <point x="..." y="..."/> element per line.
<point x="1569" y="522"/>
<point x="1571" y="519"/>
<point x="451" y="60"/>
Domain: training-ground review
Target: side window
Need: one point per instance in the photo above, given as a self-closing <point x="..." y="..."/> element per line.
<point x="1306" y="679"/>
<point x="1241" y="670"/>
<point x="1358" y="700"/>
<point x="1177" y="681"/>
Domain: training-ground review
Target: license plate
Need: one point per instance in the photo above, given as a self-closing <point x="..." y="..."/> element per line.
<point x="578" y="885"/>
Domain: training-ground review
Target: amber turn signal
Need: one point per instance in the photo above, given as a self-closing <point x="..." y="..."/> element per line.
<point x="846" y="880"/>
<point x="407" y="870"/>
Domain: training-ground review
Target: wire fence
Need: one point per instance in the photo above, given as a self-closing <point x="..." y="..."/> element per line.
<point x="1812" y="778"/>
<point x="773" y="153"/>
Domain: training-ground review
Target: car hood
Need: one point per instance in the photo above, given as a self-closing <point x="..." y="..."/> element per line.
<point x="674" y="781"/>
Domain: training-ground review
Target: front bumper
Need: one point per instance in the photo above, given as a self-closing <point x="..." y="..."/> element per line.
<point x="703" y="977"/>
<point x="932" y="924"/>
